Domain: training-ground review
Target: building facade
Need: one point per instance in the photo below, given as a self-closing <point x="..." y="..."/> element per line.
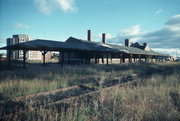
<point x="18" y="54"/>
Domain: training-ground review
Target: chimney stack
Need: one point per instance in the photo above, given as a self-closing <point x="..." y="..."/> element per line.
<point x="144" y="44"/>
<point x="103" y="38"/>
<point x="89" y="35"/>
<point x="127" y="42"/>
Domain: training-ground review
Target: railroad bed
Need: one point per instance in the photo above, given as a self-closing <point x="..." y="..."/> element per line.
<point x="62" y="97"/>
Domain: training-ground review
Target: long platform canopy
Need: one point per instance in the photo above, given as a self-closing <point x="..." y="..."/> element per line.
<point x="74" y="44"/>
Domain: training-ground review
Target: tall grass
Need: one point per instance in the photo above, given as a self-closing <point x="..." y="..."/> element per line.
<point x="155" y="98"/>
<point x="37" y="79"/>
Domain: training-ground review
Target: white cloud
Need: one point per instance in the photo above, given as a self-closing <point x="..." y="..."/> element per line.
<point x="109" y="36"/>
<point x="159" y="11"/>
<point x="48" y="6"/>
<point x="170" y="51"/>
<point x="166" y="37"/>
<point x="174" y="21"/>
<point x="131" y="31"/>
<point x="21" y="26"/>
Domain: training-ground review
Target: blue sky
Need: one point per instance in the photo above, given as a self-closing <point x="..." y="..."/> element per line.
<point x="156" y="22"/>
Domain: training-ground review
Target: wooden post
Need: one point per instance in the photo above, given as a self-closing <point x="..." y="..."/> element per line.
<point x="139" y="58"/>
<point x="146" y="58"/>
<point x="102" y="59"/>
<point x="59" y="57"/>
<point x="156" y="59"/>
<point x="44" y="54"/>
<point x="131" y="58"/>
<point x="24" y="58"/>
<point x="95" y="57"/>
<point x="62" y="59"/>
<point x="107" y="58"/>
<point x="152" y="58"/>
<point x="121" y="58"/>
<point x="9" y="58"/>
<point x="89" y="58"/>
<point x="69" y="57"/>
<point x="111" y="58"/>
<point x="98" y="60"/>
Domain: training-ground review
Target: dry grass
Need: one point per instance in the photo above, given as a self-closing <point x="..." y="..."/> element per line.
<point x="36" y="79"/>
<point x="153" y="99"/>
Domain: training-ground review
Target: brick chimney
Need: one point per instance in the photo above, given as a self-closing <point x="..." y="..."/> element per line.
<point x="144" y="44"/>
<point x="89" y="35"/>
<point x="127" y="42"/>
<point x="104" y="38"/>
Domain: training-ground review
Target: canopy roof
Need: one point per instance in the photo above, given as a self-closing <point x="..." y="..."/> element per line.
<point x="74" y="44"/>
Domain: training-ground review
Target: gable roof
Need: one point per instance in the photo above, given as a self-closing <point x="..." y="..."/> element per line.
<point x="80" y="44"/>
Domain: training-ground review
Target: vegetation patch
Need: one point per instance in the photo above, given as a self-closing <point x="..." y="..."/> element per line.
<point x="155" y="96"/>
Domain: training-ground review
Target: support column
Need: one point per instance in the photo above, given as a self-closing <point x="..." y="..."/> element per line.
<point x="134" y="59"/>
<point x="107" y="58"/>
<point x="121" y="58"/>
<point x="146" y="58"/>
<point x="59" y="57"/>
<point x="9" y="58"/>
<point x="139" y="58"/>
<point x="95" y="57"/>
<point x="152" y="58"/>
<point x="130" y="58"/>
<point x="111" y="59"/>
<point x="149" y="59"/>
<point x="24" y="58"/>
<point x="89" y="58"/>
<point x="102" y="59"/>
<point x="159" y="58"/>
<point x="44" y="57"/>
<point x="156" y="59"/>
<point x="62" y="59"/>
<point x="69" y="57"/>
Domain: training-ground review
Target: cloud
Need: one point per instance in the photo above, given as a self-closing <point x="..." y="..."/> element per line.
<point x="21" y="26"/>
<point x="170" y="51"/>
<point x="166" y="37"/>
<point x="133" y="33"/>
<point x="175" y="20"/>
<point x="48" y="6"/>
<point x="159" y="11"/>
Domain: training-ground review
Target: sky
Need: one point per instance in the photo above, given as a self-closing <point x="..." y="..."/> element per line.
<point x="156" y="22"/>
